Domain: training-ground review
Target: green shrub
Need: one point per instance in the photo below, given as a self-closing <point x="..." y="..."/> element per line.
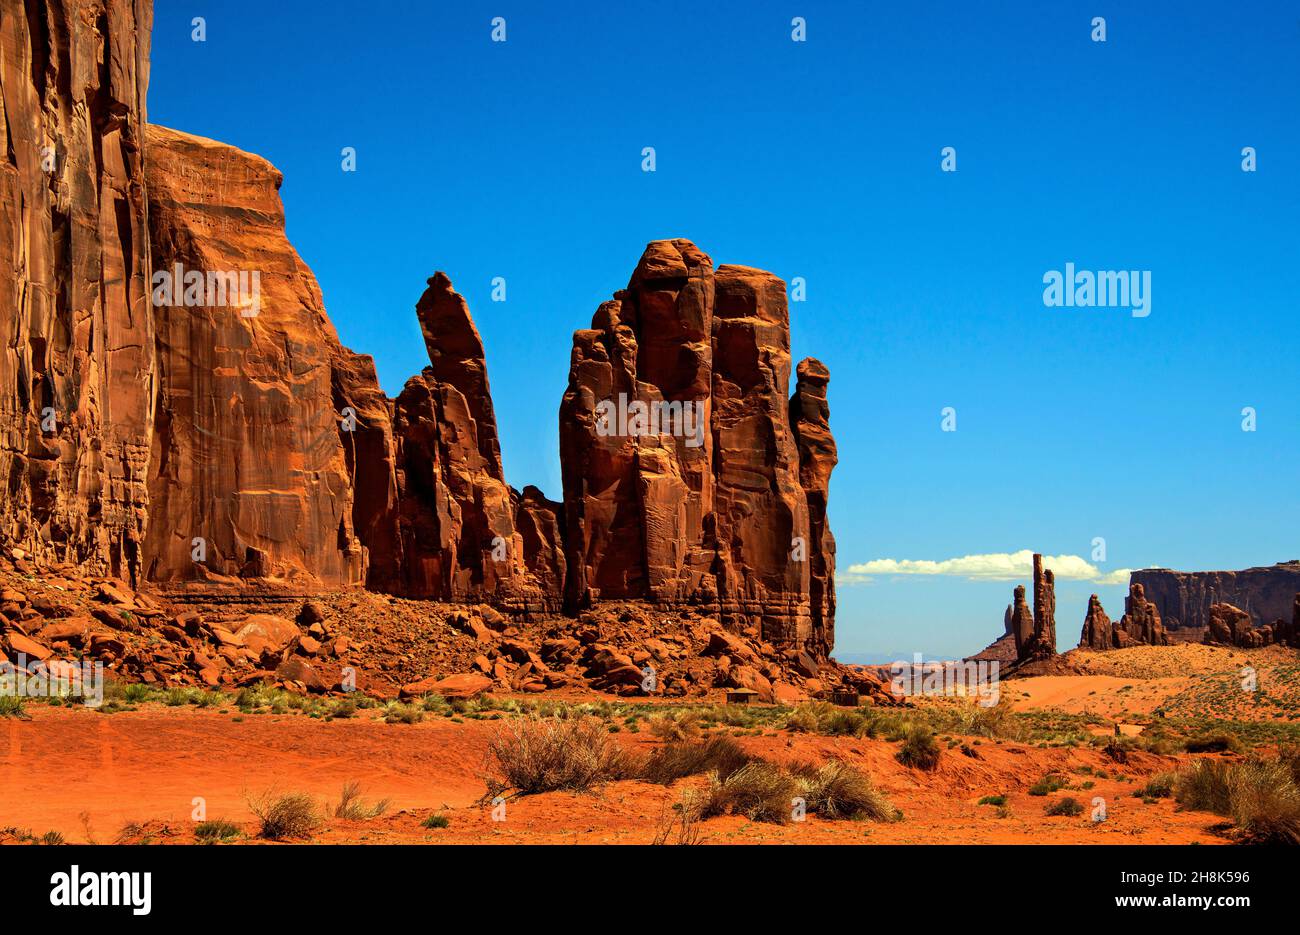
<point x="1067" y="806"/>
<point x="920" y="750"/>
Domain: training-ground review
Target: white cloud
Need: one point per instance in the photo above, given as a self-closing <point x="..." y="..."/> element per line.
<point x="991" y="566"/>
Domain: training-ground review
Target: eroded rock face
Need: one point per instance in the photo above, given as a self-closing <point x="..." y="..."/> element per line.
<point x="1098" y="631"/>
<point x="1044" y="606"/>
<point x="247" y="459"/>
<point x="1141" y="622"/>
<point x="810" y="419"/>
<point x="1232" y="626"/>
<point x="1184" y="598"/>
<point x="706" y="503"/>
<point x="453" y="526"/>
<point x="76" y="337"/>
<point x="1022" y="623"/>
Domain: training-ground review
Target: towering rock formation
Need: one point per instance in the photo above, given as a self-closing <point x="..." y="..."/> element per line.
<point x="1034" y="633"/>
<point x="247" y="463"/>
<point x="76" y="336"/>
<point x="175" y="405"/>
<point x="810" y="419"/>
<point x="1044" y="605"/>
<point x="1098" y="631"/>
<point x="1141" y="621"/>
<point x="1184" y="598"/>
<point x="1022" y="623"/>
<point x="455" y="531"/>
<point x="683" y="477"/>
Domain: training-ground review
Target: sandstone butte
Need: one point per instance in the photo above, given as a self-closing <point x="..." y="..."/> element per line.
<point x="239" y="445"/>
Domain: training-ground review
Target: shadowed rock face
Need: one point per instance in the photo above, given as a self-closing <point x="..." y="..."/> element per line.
<point x="718" y="519"/>
<point x="810" y="419"/>
<point x="76" y="338"/>
<point x="246" y="453"/>
<point x="1097" y="627"/>
<point x="1141" y="622"/>
<point x="1184" y="598"/>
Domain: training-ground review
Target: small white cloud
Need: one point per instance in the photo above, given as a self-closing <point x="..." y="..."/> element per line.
<point x="991" y="566"/>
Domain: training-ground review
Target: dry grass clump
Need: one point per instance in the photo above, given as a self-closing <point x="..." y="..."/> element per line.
<point x="1259" y="796"/>
<point x="679" y="823"/>
<point x="919" y="750"/>
<point x="293" y="815"/>
<point x="759" y="790"/>
<point x="353" y="808"/>
<point x="1068" y="806"/>
<point x="835" y="790"/>
<point x="535" y="755"/>
<point x="821" y="717"/>
<point x="719" y="754"/>
<point x="684" y="725"/>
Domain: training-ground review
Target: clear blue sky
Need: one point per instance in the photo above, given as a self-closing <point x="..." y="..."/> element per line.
<point x="822" y="159"/>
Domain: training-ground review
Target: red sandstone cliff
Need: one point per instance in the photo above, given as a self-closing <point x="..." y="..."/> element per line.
<point x="77" y="367"/>
<point x="175" y="405"/>
<point x="712" y="509"/>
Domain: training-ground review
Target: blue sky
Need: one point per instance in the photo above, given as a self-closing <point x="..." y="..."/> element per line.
<point x="821" y="159"/>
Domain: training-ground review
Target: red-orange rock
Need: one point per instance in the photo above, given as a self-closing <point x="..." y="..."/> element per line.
<point x="77" y="358"/>
<point x="810" y="419"/>
<point x="1141" y="621"/>
<point x="681" y="470"/>
<point x="1232" y="626"/>
<point x="246" y="454"/>
<point x="1097" y="627"/>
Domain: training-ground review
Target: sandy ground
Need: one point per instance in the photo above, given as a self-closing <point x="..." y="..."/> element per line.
<point x="72" y="770"/>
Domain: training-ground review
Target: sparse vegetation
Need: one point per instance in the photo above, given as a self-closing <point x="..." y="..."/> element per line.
<point x="719" y="754"/>
<point x="993" y="800"/>
<point x="759" y="790"/>
<point x="216" y="831"/>
<point x="535" y="755"/>
<point x="353" y="808"/>
<point x="836" y="790"/>
<point x="436" y="820"/>
<point x="1048" y="784"/>
<point x="293" y="815"/>
<point x="1067" y="806"/>
<point x="919" y="750"/>
<point x="1160" y="786"/>
<point x="1260" y="797"/>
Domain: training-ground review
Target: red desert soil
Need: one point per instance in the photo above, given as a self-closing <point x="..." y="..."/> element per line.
<point x="147" y="766"/>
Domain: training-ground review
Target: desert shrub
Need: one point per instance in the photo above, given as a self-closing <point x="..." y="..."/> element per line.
<point x="11" y="706"/>
<point x="212" y="832"/>
<point x="680" y="823"/>
<point x="993" y="800"/>
<point x="919" y="750"/>
<point x="673" y="761"/>
<point x="1067" y="806"/>
<point x="1217" y="742"/>
<point x="759" y="790"/>
<point x="535" y="755"/>
<point x="1260" y="797"/>
<point x="292" y="815"/>
<point x="353" y="808"/>
<point x="684" y="725"/>
<point x="803" y="720"/>
<point x="1265" y="802"/>
<point x="836" y="790"/>
<point x="1203" y="787"/>
<point x="1047" y="785"/>
<point x="1159" y="786"/>
<point x="436" y="820"/>
<point x="1117" y="750"/>
<point x="398" y="713"/>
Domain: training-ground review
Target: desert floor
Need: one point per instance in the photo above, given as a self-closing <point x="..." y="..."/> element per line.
<point x="134" y="775"/>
